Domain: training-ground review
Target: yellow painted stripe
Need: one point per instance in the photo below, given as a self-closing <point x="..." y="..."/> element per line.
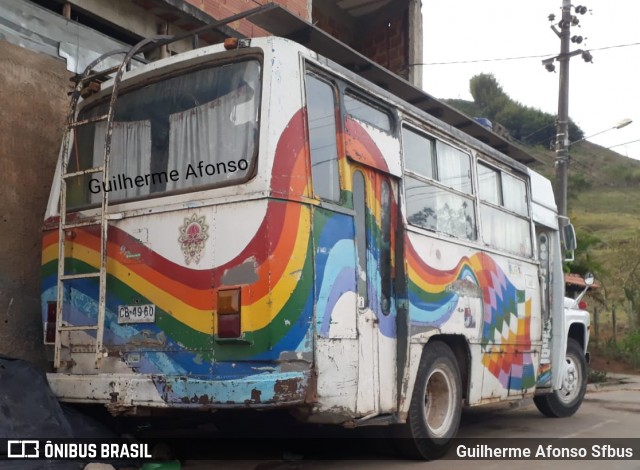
<point x="424" y="285"/>
<point x="259" y="314"/>
<point x="197" y="319"/>
<point x="272" y="303"/>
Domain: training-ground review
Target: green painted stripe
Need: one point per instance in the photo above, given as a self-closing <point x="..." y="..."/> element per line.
<point x="269" y="336"/>
<point x="262" y="340"/>
<point x="432" y="297"/>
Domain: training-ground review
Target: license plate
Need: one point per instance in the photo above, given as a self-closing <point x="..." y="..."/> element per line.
<point x="137" y="313"/>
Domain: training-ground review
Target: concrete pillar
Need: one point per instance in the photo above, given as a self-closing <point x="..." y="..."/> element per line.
<point x="415" y="42"/>
<point x="33" y="92"/>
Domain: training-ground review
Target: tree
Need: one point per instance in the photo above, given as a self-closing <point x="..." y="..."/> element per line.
<point x="626" y="280"/>
<point x="524" y="123"/>
<point x="488" y="94"/>
<point x="584" y="262"/>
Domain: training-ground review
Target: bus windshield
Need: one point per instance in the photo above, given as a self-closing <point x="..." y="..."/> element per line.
<point x="195" y="130"/>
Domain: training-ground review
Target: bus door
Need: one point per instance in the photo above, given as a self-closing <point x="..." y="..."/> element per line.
<point x="544" y="257"/>
<point x="375" y="215"/>
<point x="355" y="311"/>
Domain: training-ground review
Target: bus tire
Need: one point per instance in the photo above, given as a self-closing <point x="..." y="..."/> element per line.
<point x="566" y="401"/>
<point x="436" y="405"/>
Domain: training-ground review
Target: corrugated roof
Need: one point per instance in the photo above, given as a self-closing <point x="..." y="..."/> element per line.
<point x="578" y="281"/>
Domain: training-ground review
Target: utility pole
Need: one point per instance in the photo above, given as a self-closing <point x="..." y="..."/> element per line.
<point x="562" y="121"/>
<point x="562" y="124"/>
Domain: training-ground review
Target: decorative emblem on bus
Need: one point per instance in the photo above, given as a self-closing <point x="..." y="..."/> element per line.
<point x="193" y="234"/>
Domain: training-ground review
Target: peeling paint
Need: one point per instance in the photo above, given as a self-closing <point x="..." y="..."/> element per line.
<point x="297" y="274"/>
<point x="284" y="390"/>
<point x="147" y="338"/>
<point x="465" y="288"/>
<point x="245" y="273"/>
<point x="306" y="356"/>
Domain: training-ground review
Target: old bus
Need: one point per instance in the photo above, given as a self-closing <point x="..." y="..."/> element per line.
<point x="266" y="229"/>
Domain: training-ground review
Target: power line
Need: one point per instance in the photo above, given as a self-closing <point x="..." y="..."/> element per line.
<point x="624" y="143"/>
<point x="502" y="59"/>
<point x="482" y="60"/>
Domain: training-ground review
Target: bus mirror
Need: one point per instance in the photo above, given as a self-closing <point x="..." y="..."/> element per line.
<point x="569" y="237"/>
<point x="589" y="279"/>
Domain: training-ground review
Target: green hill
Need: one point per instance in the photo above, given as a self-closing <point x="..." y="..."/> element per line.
<point x="604" y="206"/>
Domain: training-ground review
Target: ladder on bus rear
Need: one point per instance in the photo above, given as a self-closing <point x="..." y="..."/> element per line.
<point x="102" y="220"/>
<point x="89" y="77"/>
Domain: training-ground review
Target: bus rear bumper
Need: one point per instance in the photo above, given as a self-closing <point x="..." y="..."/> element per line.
<point x="123" y="393"/>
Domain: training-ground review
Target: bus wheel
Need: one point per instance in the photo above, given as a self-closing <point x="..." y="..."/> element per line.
<point x="566" y="401"/>
<point x="436" y="405"/>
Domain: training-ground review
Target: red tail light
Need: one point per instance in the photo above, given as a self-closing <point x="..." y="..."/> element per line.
<point x="582" y="305"/>
<point x="50" y="324"/>
<point x="229" y="325"/>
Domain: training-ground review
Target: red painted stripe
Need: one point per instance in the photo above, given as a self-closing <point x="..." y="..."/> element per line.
<point x="361" y="147"/>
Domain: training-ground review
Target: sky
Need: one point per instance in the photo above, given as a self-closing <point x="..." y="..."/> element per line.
<point x="601" y="94"/>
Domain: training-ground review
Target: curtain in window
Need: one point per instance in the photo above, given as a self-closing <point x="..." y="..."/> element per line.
<point x="489" y="185"/>
<point x="220" y="131"/>
<point x="454" y="168"/>
<point x="514" y="194"/>
<point x="505" y="231"/>
<point x="130" y="156"/>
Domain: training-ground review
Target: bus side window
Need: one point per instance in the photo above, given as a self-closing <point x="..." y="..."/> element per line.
<point x="504" y="211"/>
<point x="438" y="189"/>
<point x="321" y="118"/>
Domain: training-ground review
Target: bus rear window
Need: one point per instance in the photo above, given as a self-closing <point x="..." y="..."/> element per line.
<point x="195" y="130"/>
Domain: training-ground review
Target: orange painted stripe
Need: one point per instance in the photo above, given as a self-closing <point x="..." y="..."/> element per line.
<point x="280" y="257"/>
<point x="269" y="273"/>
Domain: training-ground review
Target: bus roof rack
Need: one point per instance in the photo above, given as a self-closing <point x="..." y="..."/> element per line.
<point x="280" y="22"/>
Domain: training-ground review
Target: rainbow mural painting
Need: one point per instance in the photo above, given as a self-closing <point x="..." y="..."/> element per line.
<point x="304" y="262"/>
<point x="506" y="314"/>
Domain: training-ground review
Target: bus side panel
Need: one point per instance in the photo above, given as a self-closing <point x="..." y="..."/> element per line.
<point x="486" y="298"/>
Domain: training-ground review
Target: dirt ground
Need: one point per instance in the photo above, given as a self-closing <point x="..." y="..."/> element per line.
<point x="601" y="363"/>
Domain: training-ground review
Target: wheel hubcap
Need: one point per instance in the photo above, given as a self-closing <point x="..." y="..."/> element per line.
<point x="439" y="399"/>
<point x="570" y="382"/>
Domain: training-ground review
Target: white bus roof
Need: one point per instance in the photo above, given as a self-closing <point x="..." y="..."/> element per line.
<point x="281" y="22"/>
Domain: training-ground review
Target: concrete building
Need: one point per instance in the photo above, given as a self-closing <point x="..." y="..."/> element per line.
<point x="44" y="42"/>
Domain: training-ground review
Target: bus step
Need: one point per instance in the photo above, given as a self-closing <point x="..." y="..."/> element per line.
<point x="100" y="118"/>
<point x="78" y="328"/>
<point x="81" y="224"/>
<point x="88" y="171"/>
<point x="71" y="277"/>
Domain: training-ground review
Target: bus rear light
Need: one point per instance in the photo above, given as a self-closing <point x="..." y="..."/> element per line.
<point x="50" y="324"/>
<point x="229" y="313"/>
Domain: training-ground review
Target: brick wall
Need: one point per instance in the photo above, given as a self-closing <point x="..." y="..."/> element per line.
<point x="386" y="42"/>
<point x="335" y="26"/>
